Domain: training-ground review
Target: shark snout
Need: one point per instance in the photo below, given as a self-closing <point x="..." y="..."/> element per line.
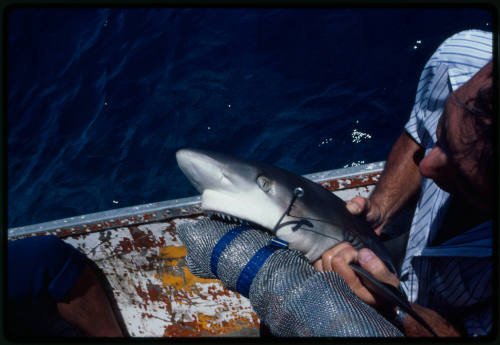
<point x="201" y="170"/>
<point x="184" y="158"/>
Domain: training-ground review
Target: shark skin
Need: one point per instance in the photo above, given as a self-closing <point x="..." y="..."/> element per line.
<point x="303" y="213"/>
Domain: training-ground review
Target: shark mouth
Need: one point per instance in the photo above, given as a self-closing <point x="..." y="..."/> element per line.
<point x="229" y="219"/>
<point x="225" y="217"/>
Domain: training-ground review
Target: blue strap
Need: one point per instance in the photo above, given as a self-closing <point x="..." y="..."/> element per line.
<point x="222" y="244"/>
<point x="253" y="266"/>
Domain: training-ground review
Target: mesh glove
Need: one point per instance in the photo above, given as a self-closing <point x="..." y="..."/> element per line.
<point x="288" y="294"/>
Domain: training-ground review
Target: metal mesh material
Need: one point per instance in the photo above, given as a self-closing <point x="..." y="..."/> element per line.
<point x="229" y="269"/>
<point x="289" y="295"/>
<point x="201" y="237"/>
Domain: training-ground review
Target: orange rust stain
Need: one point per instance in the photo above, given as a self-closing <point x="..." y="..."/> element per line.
<point x="215" y="292"/>
<point x="154" y="294"/>
<point x="255" y="319"/>
<point x="330" y="185"/>
<point x="144" y="295"/>
<point x="126" y="246"/>
<point x="183" y="329"/>
<point x="145" y="239"/>
<point x="357" y="181"/>
<point x="148" y="216"/>
<point x="146" y="315"/>
<point x="140" y="240"/>
<point x="61" y="232"/>
<point x="127" y="222"/>
<point x="208" y="325"/>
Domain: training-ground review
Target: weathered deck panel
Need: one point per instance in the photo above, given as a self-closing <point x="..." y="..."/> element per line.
<point x="156" y="293"/>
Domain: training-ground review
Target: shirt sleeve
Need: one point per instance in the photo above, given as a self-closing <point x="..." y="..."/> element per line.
<point x="42" y="265"/>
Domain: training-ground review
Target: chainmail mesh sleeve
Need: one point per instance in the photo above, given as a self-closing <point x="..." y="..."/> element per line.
<point x="288" y="294"/>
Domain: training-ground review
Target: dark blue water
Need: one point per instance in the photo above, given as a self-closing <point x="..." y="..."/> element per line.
<point x="99" y="100"/>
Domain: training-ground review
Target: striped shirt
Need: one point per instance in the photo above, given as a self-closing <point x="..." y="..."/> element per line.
<point x="434" y="280"/>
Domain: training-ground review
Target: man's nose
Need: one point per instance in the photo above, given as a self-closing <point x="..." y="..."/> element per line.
<point x="434" y="164"/>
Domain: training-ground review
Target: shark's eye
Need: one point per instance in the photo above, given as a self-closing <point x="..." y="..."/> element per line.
<point x="264" y="183"/>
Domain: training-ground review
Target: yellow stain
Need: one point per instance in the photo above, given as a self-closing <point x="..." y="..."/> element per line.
<point x="173" y="252"/>
<point x="179" y="277"/>
<point x="183" y="281"/>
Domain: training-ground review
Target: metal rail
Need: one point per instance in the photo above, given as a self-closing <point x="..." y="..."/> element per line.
<point x="158" y="211"/>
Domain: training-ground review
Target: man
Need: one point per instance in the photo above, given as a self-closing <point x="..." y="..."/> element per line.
<point x="54" y="292"/>
<point x="445" y="154"/>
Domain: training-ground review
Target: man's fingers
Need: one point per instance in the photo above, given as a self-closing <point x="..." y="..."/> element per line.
<point x="371" y="263"/>
<point x="318" y="264"/>
<point x="353" y="208"/>
<point x="340" y="264"/>
<point x="337" y="259"/>
<point x="363" y="207"/>
<point x="357" y="205"/>
<point x="329" y="255"/>
<point x="325" y="262"/>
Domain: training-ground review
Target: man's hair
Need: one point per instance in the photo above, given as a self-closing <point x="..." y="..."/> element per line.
<point x="483" y="116"/>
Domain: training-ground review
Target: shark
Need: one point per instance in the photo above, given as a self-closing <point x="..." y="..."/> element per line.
<point x="295" y="209"/>
<point x="261" y="193"/>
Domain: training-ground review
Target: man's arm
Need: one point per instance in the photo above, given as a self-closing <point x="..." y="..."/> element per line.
<point x="440" y="325"/>
<point x="87" y="306"/>
<point x="399" y="182"/>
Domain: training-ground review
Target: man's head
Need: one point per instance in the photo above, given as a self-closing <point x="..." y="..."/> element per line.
<point x="461" y="162"/>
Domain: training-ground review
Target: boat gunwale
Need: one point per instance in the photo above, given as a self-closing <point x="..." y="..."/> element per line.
<point x="161" y="211"/>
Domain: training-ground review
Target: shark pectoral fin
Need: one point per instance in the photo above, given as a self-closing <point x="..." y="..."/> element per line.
<point x="390" y="294"/>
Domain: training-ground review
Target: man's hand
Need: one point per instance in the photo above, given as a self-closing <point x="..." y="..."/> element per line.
<point x="339" y="257"/>
<point x="369" y="210"/>
<point x="398" y="185"/>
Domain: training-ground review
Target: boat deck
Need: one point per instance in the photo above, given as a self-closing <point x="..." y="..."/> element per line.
<point x="143" y="260"/>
